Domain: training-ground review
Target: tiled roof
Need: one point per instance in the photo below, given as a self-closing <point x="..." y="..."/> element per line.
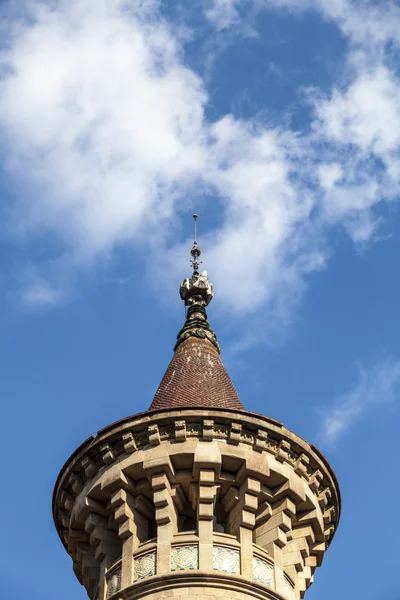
<point x="196" y="377"/>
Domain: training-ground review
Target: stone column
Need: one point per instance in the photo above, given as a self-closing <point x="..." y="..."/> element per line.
<point x="166" y="519"/>
<point x="207" y="462"/>
<point x="205" y="516"/>
<point x="123" y="504"/>
<point x="102" y="589"/>
<point x="242" y="504"/>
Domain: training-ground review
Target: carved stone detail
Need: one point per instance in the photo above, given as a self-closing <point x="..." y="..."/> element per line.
<point x="180" y="431"/>
<point x="267" y="482"/>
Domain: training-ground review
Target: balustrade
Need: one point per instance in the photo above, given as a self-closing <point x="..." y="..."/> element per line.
<point x="185" y="559"/>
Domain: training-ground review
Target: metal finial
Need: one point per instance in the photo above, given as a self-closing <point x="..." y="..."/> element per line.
<point x="197" y="290"/>
<point x="195" y="228"/>
<point x="195" y="251"/>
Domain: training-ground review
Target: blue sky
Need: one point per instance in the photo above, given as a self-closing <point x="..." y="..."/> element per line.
<point x="278" y="121"/>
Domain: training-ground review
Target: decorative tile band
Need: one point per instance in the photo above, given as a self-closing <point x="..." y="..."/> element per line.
<point x="288" y="592"/>
<point x="263" y="572"/>
<point x="113" y="582"/>
<point x="145" y="566"/>
<point x="226" y="560"/>
<point x="185" y="558"/>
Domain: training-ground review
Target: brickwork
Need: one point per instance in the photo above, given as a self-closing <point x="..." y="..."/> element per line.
<point x="196" y="377"/>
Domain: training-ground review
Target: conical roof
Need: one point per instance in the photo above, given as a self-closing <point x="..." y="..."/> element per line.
<point x="196" y="376"/>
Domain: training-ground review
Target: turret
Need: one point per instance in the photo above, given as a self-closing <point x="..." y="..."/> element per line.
<point x="197" y="496"/>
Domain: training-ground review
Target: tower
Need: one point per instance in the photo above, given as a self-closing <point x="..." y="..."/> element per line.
<point x="196" y="497"/>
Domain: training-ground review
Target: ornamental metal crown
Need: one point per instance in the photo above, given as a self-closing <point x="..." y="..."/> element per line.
<point x="196" y="289"/>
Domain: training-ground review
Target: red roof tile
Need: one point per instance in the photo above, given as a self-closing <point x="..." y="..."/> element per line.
<point x="196" y="377"/>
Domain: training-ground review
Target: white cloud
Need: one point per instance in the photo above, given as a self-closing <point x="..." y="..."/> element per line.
<point x="366" y="114"/>
<point x="329" y="175"/>
<point x="376" y="386"/>
<point x="39" y="293"/>
<point x="102" y="117"/>
<point x="360" y="126"/>
<point x="265" y="214"/>
<point x="104" y="130"/>
<point x="222" y="13"/>
<point x="364" y="22"/>
<point x="107" y="126"/>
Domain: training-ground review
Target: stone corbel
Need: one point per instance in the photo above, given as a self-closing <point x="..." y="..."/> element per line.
<point x="180" y="431"/>
<point x="318" y="550"/>
<point x="305" y="532"/>
<point x="207" y="495"/>
<point x="329" y="531"/>
<point x="129" y="442"/>
<point x="76" y="536"/>
<point x="77" y="569"/>
<point x="272" y="536"/>
<point x="208" y="430"/>
<point x="107" y="454"/>
<point x="207" y="457"/>
<point x="89" y="566"/>
<point x="264" y="512"/>
<point x="115" y="479"/>
<point x="301" y="465"/>
<point x="329" y="515"/>
<point x="315" y="481"/>
<point x="75" y="483"/>
<point x="64" y="533"/>
<point x="260" y="442"/>
<point x="324" y="497"/>
<point x="67" y="501"/>
<point x="235" y="433"/>
<point x="154" y="435"/>
<point x="89" y="466"/>
<point x="104" y="542"/>
<point x="302" y="539"/>
<point x="282" y="451"/>
<point x="275" y="529"/>
<point x="305" y="578"/>
<point x="64" y="517"/>
<point x="296" y="554"/>
<point x="314" y="518"/>
<point x="157" y="460"/>
<point x="294" y="488"/>
<point x="256" y="466"/>
<point x="243" y="512"/>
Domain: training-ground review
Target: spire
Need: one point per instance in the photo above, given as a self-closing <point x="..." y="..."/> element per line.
<point x="196" y="376"/>
<point x="197" y="293"/>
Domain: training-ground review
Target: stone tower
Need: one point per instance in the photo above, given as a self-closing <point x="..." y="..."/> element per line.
<point x="196" y="497"/>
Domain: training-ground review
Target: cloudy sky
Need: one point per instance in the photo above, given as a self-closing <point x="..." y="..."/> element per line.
<point x="278" y="121"/>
